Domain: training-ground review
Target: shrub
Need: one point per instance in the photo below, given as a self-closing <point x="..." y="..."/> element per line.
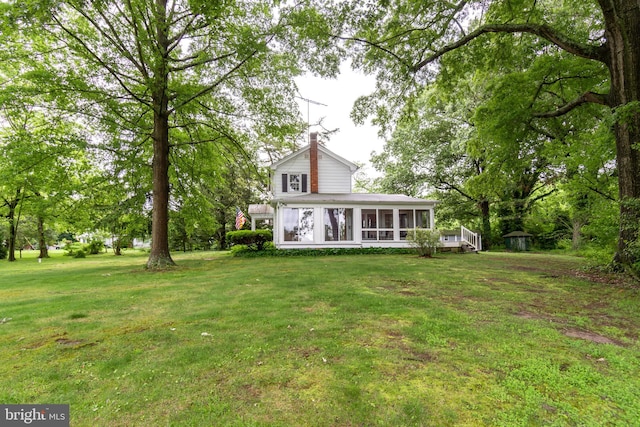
<point x="424" y="240"/>
<point x="95" y="246"/>
<point x="271" y="251"/>
<point x="3" y="251"/>
<point x="71" y="248"/>
<point x="80" y="254"/>
<point x="253" y="239"/>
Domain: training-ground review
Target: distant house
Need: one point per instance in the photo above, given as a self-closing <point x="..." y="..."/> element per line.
<point x="313" y="206"/>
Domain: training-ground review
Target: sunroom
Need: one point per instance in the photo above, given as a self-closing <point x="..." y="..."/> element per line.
<point x="349" y="220"/>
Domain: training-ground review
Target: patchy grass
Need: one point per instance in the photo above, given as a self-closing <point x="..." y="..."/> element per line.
<point x="463" y="340"/>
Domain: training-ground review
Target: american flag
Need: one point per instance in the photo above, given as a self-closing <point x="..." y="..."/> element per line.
<point x="240" y="219"/>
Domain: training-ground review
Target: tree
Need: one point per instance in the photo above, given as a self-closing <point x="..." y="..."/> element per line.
<point x="430" y="150"/>
<point x="143" y="71"/>
<point x="41" y="154"/>
<point x="407" y="41"/>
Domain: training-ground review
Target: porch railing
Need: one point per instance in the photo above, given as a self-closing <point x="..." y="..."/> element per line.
<point x="471" y="238"/>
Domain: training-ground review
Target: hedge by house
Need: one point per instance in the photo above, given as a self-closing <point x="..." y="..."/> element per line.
<point x="256" y="238"/>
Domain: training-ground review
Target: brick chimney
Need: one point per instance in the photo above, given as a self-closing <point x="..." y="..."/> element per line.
<point x="313" y="161"/>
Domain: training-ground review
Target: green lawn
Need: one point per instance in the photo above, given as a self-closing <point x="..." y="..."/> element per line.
<point x="392" y="340"/>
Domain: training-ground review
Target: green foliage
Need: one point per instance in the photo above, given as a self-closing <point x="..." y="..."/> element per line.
<point x="80" y="254"/>
<point x="246" y="252"/>
<point x="95" y="246"/>
<point x="71" y="248"/>
<point x="545" y="108"/>
<point x="631" y="226"/>
<point x="3" y="251"/>
<point x="424" y="241"/>
<point x="253" y="239"/>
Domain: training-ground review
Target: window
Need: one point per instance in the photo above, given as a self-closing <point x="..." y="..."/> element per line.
<point x="298" y="224"/>
<point x="377" y="224"/>
<point x="338" y="224"/>
<point x="423" y="219"/>
<point x="369" y="224"/>
<point x="406" y="222"/>
<point x="294" y="183"/>
<point x="386" y="224"/>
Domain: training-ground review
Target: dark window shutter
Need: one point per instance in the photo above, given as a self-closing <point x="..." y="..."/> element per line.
<point x="285" y="183"/>
<point x="304" y="182"/>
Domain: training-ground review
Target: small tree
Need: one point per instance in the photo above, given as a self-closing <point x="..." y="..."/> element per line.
<point x="425" y="241"/>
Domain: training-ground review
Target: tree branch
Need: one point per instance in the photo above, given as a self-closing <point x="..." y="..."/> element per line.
<point x="587" y="97"/>
<point x="116" y="74"/>
<point x="546" y="32"/>
<point x="377" y="46"/>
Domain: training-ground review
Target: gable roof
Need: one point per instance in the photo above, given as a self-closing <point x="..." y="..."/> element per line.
<point x="321" y="149"/>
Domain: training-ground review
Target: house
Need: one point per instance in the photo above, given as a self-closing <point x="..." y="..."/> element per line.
<point x="460" y="240"/>
<point x="313" y="205"/>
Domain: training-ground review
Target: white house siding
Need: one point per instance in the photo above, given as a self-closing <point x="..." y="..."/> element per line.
<point x="333" y="176"/>
<point x="334" y="173"/>
<point x="298" y="165"/>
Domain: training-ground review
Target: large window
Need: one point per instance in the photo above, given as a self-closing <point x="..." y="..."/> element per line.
<point x="406" y="222"/>
<point x="423" y="218"/>
<point x="409" y="219"/>
<point x="338" y="224"/>
<point x="377" y="224"/>
<point x="298" y="224"/>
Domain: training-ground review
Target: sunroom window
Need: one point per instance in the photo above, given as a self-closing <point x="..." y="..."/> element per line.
<point x="377" y="224"/>
<point x="298" y="224"/>
<point x="406" y="222"/>
<point x="338" y="224"/>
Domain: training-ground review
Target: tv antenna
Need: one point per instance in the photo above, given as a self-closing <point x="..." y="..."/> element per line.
<point x="310" y="101"/>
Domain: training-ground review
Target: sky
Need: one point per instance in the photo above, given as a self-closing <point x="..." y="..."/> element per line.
<point x="354" y="143"/>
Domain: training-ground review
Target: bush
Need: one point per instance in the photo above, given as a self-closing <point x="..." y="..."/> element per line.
<point x="270" y="251"/>
<point x="95" y="246"/>
<point x="252" y="239"/>
<point x="424" y="240"/>
<point x="80" y="254"/>
<point x="72" y="248"/>
<point x="3" y="251"/>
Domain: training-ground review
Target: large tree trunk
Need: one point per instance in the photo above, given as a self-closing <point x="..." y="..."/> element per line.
<point x="486" y="224"/>
<point x="13" y="226"/>
<point x="623" y="43"/>
<point x="13" y="230"/>
<point x="42" y="242"/>
<point x="160" y="256"/>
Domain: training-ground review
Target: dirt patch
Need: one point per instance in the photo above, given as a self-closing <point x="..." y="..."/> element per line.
<point x="616" y="280"/>
<point x="589" y="336"/>
<point x="422" y="357"/>
<point x="74" y="344"/>
<point x="396" y="340"/>
<point x="306" y="353"/>
<point x="69" y="343"/>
